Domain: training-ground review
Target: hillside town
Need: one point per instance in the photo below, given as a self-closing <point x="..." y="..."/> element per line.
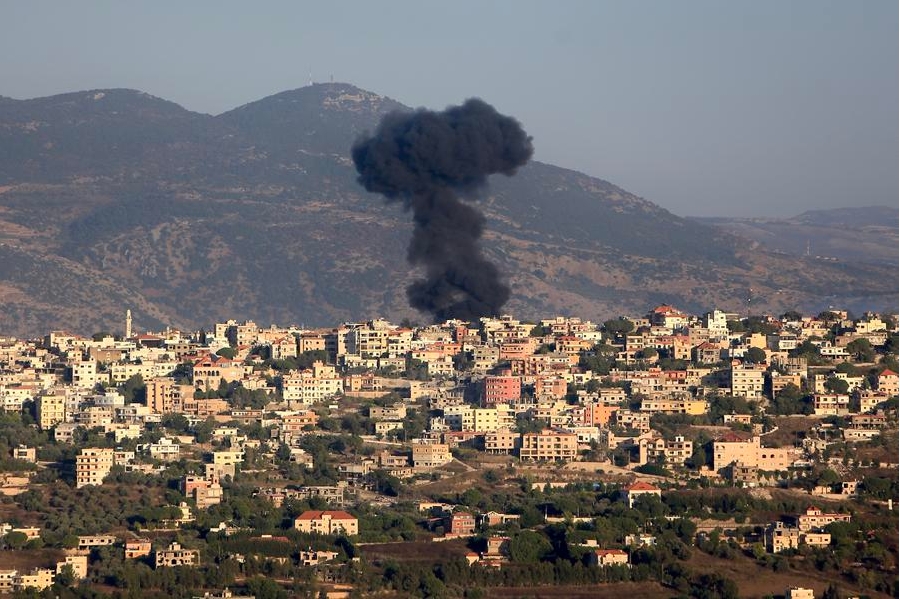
<point x="670" y="452"/>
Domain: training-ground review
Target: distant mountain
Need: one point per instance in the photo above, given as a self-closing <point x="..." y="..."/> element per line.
<point x="871" y="216"/>
<point x="864" y="235"/>
<point x="115" y="199"/>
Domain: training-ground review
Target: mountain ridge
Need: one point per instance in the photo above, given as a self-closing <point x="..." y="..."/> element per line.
<point x="256" y="213"/>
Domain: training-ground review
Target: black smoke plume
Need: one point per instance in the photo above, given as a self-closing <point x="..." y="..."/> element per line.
<point x="427" y="160"/>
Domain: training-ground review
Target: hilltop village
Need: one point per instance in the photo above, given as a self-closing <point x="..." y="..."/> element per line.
<point x="668" y="454"/>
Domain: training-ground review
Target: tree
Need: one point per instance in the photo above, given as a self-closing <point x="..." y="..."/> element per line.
<point x="861" y="350"/>
<point x="227" y="352"/>
<point x="755" y="355"/>
<point x="836" y="385"/>
<point x="618" y="326"/>
<point x="134" y="389"/>
<point x="16" y="539"/>
<point x="892" y="344"/>
<point x="529" y="547"/>
<point x="265" y="588"/>
<point x="807" y="349"/>
<point x="539" y="331"/>
<point x="790" y="400"/>
<point x="66" y="576"/>
<point x="699" y="457"/>
<point x="648" y="353"/>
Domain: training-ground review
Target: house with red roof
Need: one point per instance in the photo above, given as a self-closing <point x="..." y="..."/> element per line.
<point x="329" y="522"/>
<point x="460" y="523"/>
<point x="707" y="353"/>
<point x="889" y="382"/>
<point x="635" y="490"/>
<point x="668" y="317"/>
<point x="208" y="372"/>
<point x="815" y="519"/>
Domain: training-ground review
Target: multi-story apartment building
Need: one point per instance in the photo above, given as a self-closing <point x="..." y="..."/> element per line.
<point x="675" y="452"/>
<point x="503" y="388"/>
<point x="639" y="421"/>
<point x="311" y="386"/>
<point x="484" y="358"/>
<point x="889" y="382"/>
<point x="549" y="445"/>
<point x="502" y="441"/>
<point x="430" y="455"/>
<point x="395" y="411"/>
<point x="747" y="381"/>
<point x="84" y="373"/>
<point x="731" y="448"/>
<point x="51" y="408"/>
<point x="165" y="396"/>
<point x="780" y="537"/>
<point x="490" y="419"/>
<point x="38" y="579"/>
<point x="780" y="381"/>
<point x="831" y="404"/>
<point x="92" y="465"/>
<point x="550" y="386"/>
<point x="202" y="408"/>
<point x="869" y="400"/>
<point x="298" y="422"/>
<point x="693" y="407"/>
<point x="460" y="523"/>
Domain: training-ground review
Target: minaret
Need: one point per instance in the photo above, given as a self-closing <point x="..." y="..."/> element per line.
<point x="128" y="324"/>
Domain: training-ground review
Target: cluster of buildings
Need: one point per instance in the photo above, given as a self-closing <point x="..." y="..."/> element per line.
<point x="486" y="379"/>
<point x="540" y="392"/>
<point x="74" y="564"/>
<point x="807" y="529"/>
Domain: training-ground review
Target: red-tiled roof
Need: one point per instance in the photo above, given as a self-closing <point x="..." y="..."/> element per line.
<point x="317" y="515"/>
<point x="641" y="486"/>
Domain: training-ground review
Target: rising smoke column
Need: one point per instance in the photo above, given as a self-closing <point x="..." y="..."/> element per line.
<point x="426" y="160"/>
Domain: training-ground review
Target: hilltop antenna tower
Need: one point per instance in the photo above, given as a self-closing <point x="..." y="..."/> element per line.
<point x="310" y="78"/>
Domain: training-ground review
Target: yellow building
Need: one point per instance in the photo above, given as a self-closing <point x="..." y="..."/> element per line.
<point x="430" y="455"/>
<point x="673" y="452"/>
<point x="78" y="563"/>
<point x="692" y="407"/>
<point x="501" y="441"/>
<point x="731" y="448"/>
<point x="747" y="381"/>
<point x="549" y="445"/>
<point x="92" y="465"/>
<point x="51" y="409"/>
<point x="327" y="522"/>
<point x="39" y="578"/>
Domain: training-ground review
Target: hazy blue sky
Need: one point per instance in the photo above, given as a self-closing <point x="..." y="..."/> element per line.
<point x="744" y="108"/>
